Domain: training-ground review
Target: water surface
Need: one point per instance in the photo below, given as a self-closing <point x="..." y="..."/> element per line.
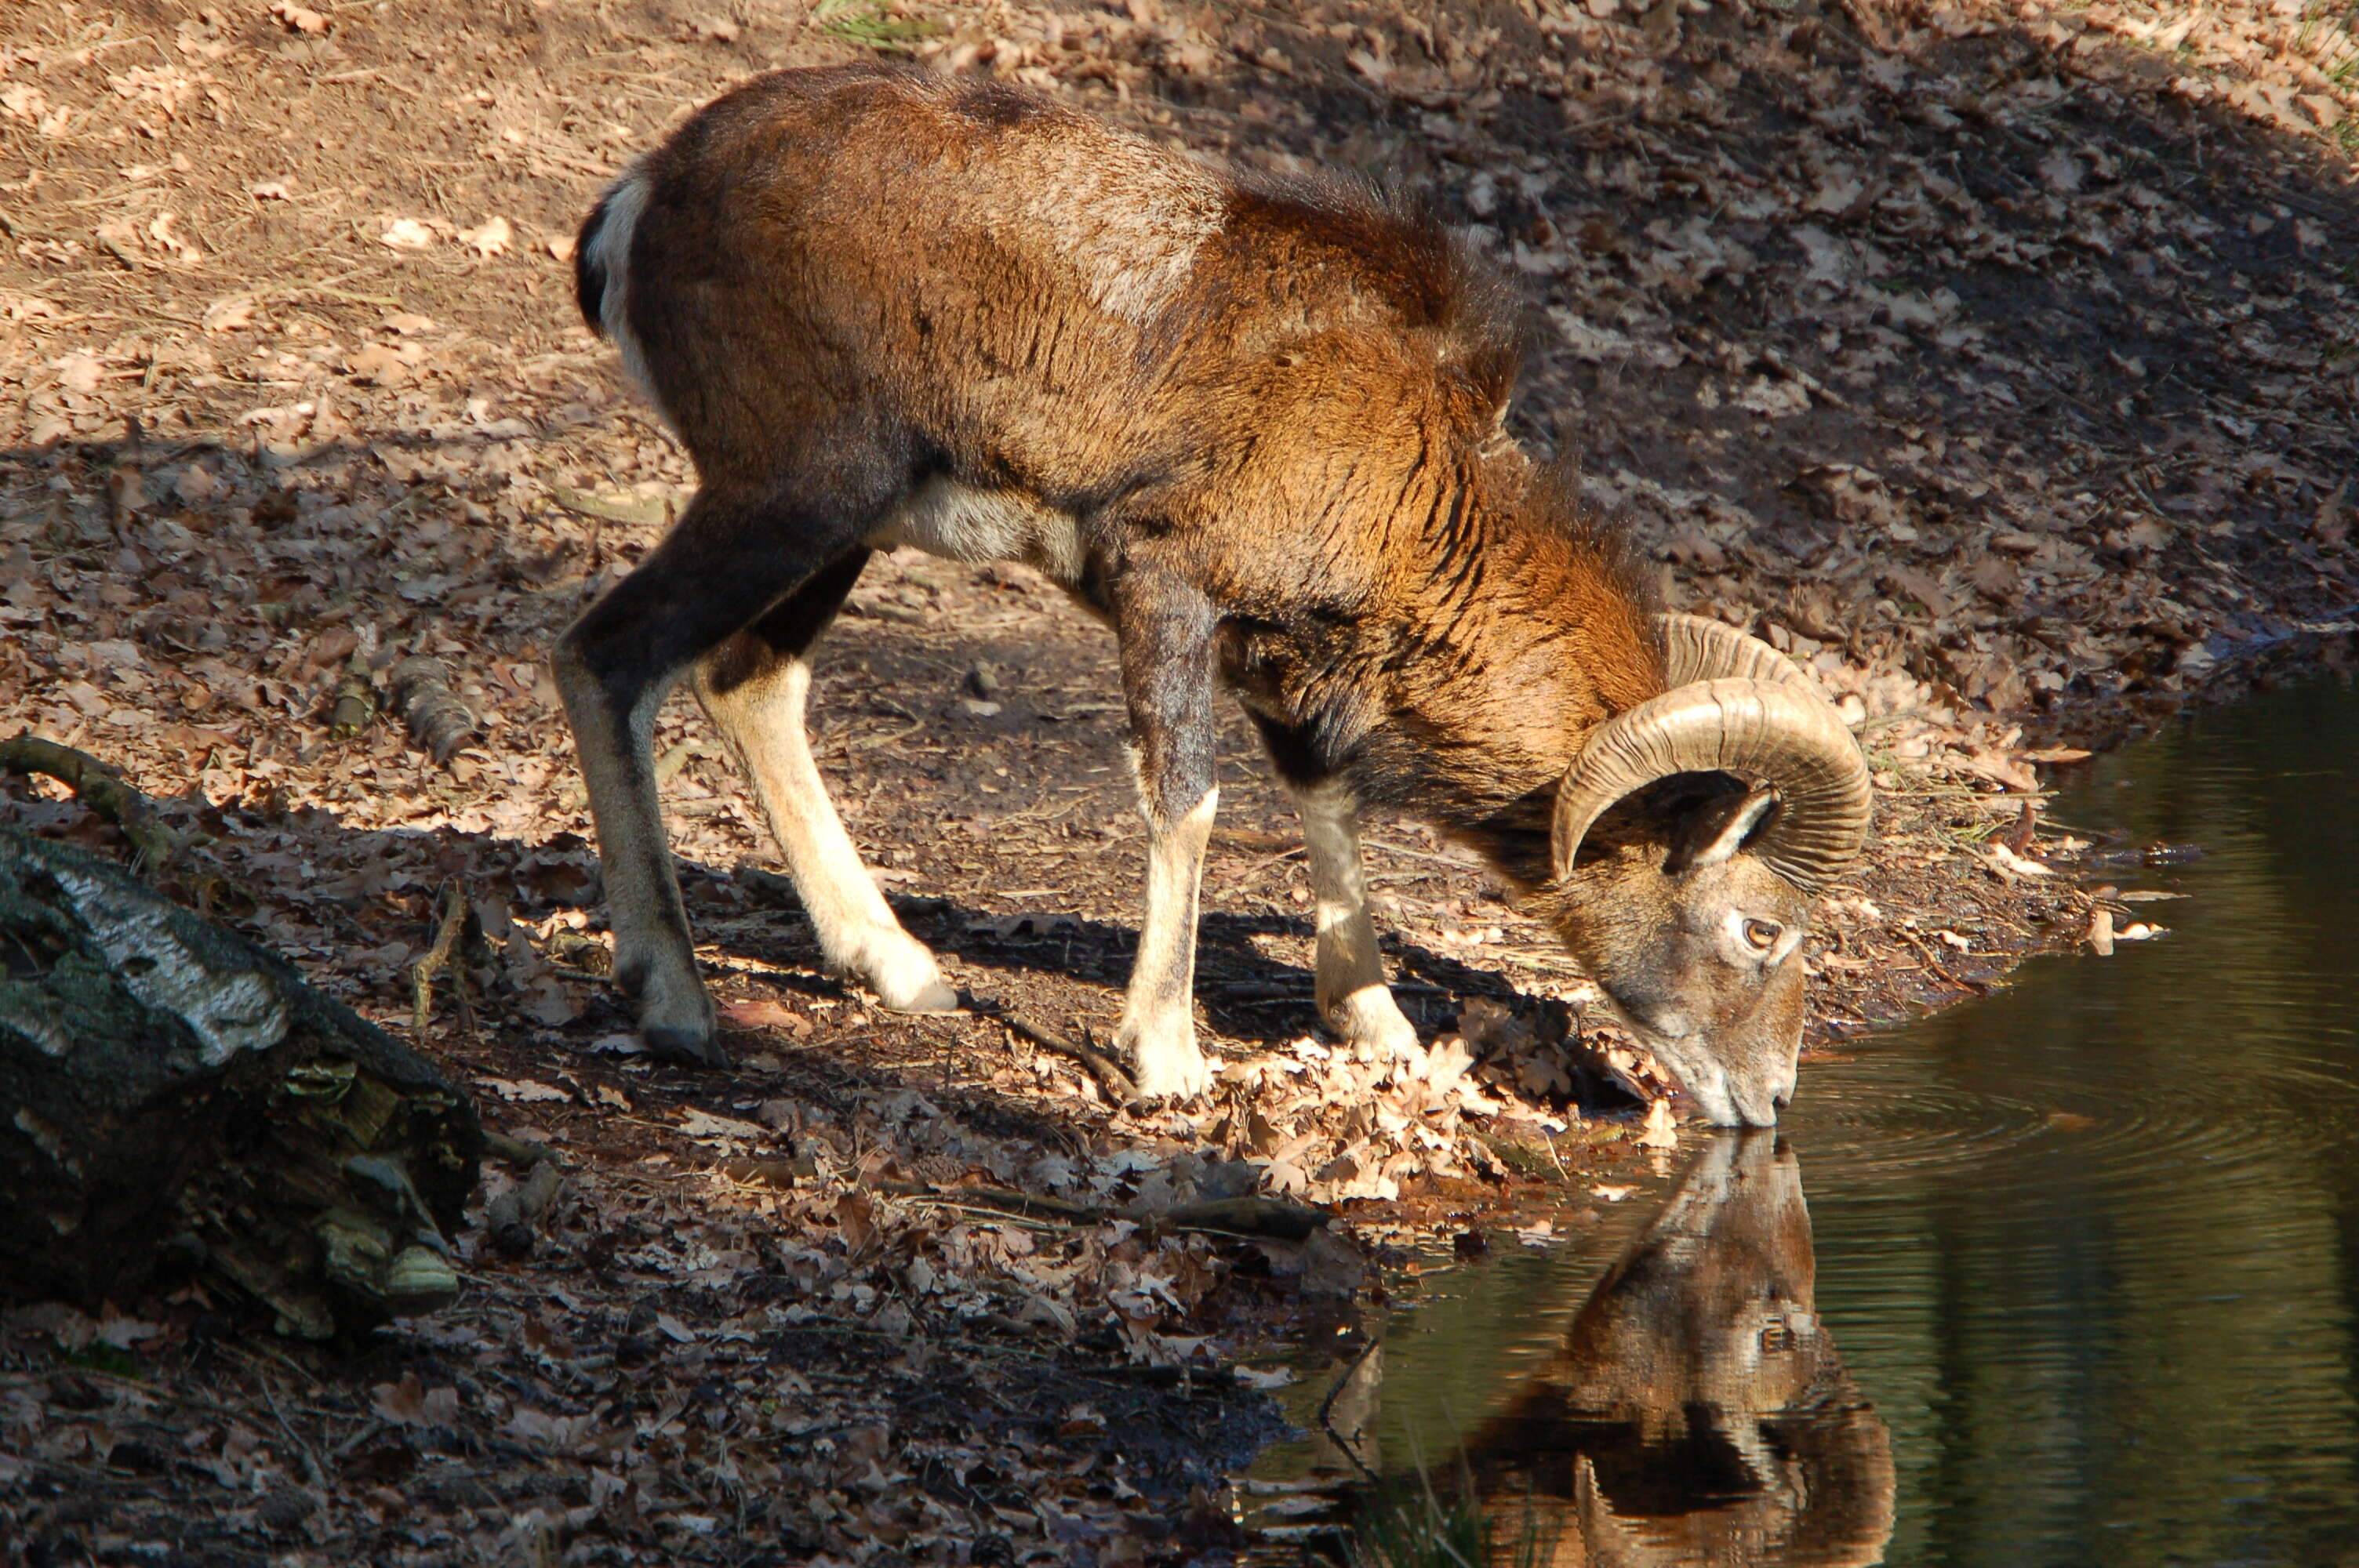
<point x="2087" y="1249"/>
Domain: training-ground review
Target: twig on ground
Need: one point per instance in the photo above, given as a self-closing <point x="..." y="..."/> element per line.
<point x="1403" y="850"/>
<point x="102" y="789"/>
<point x="1120" y="1087"/>
<point x="312" y="1465"/>
<point x="341" y="296"/>
<point x="521" y="1152"/>
<point x="438" y="957"/>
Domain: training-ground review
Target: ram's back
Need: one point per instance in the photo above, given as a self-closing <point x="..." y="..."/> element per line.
<point x="876" y="263"/>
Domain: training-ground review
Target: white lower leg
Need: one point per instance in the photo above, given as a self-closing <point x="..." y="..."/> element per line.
<point x="1158" y="1024"/>
<point x="1353" y="996"/>
<point x="763" y="719"/>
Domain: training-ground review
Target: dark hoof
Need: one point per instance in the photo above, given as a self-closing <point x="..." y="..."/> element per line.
<point x="685" y="1047"/>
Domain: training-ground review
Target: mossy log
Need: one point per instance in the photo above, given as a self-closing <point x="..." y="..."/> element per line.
<point x="175" y="1099"/>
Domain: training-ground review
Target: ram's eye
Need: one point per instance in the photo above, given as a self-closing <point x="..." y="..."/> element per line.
<point x="1763" y="934"/>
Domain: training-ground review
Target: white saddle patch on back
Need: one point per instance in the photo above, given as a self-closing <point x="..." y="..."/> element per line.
<point x="959" y="523"/>
<point x="1128" y="215"/>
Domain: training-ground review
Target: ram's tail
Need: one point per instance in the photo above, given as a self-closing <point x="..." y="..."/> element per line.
<point x="602" y="249"/>
<point x="602" y="272"/>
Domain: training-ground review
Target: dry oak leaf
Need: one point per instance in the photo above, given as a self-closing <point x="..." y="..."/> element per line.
<point x="1662" y="1129"/>
<point x="378" y="364"/>
<point x="762" y="1013"/>
<point x="406" y="235"/>
<point x="522" y="1089"/>
<point x="410" y="1404"/>
<point x="230" y="313"/>
<point x="2333" y="521"/>
<point x="491" y="238"/>
<point x="2011" y="864"/>
<point x="79" y="373"/>
<point x="300" y="19"/>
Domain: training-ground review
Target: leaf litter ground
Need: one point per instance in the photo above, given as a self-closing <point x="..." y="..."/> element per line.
<point x="1997" y="362"/>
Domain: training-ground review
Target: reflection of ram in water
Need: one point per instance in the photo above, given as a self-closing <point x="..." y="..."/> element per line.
<point x="1697" y="1412"/>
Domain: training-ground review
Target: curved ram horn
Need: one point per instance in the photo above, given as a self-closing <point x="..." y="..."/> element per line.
<point x="1698" y="649"/>
<point x="1779" y="731"/>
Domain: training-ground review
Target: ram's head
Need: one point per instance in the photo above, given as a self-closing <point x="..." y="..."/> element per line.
<point x="1692" y="835"/>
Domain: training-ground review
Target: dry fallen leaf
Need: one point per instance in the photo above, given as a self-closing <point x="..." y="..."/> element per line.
<point x="1662" y="1129"/>
<point x="523" y="1090"/>
<point x="229" y="313"/>
<point x="79" y="373"/>
<point x="2007" y="860"/>
<point x="410" y="1404"/>
<point x="491" y="238"/>
<point x="2332" y="523"/>
<point x="406" y="235"/>
<point x="765" y="1012"/>
<point x="299" y="19"/>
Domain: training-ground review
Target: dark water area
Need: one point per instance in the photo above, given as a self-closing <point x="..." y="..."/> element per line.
<point x="2068" y="1275"/>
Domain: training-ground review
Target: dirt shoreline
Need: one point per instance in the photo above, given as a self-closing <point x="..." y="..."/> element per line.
<point x="1999" y="361"/>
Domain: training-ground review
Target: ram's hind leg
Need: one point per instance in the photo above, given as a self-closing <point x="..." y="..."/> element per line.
<point x="754" y="686"/>
<point x="729" y="559"/>
<point x="1350" y="985"/>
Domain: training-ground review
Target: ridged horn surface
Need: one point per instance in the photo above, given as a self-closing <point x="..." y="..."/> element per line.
<point x="1698" y="649"/>
<point x="1776" y="730"/>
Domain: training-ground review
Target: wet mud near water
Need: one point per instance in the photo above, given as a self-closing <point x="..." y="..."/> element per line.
<point x="2068" y="1275"/>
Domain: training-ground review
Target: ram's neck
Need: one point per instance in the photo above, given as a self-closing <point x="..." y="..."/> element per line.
<point x="1517" y="634"/>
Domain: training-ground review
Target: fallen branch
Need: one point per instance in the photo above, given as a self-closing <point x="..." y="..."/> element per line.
<point x="513" y="1218"/>
<point x="646" y="513"/>
<point x="1250" y="1216"/>
<point x="102" y="789"/>
<point x="179" y="1098"/>
<point x="421" y="693"/>
<point x="355" y="702"/>
<point x="1004" y="1199"/>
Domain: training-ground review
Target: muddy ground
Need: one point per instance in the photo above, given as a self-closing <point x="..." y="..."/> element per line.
<point x="1998" y="361"/>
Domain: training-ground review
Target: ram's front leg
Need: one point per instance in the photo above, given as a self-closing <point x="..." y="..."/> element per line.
<point x="1352" y="994"/>
<point x="1166" y="629"/>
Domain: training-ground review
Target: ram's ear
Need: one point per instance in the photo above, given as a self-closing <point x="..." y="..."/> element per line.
<point x="1717" y="829"/>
